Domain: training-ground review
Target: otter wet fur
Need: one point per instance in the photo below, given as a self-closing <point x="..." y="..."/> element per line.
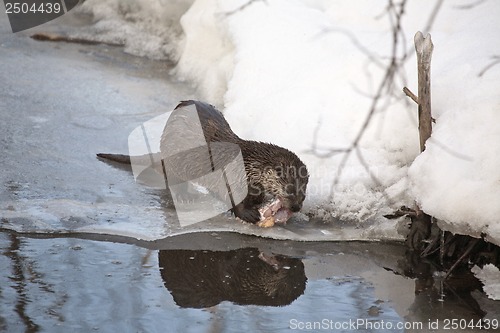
<point x="271" y="172"/>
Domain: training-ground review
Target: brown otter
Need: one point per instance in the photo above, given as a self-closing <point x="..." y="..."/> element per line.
<point x="275" y="177"/>
<point x="202" y="278"/>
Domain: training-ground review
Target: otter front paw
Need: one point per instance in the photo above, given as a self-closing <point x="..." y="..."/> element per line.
<point x="251" y="215"/>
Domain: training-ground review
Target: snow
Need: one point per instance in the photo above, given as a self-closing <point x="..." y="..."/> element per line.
<point x="303" y="73"/>
<point x="295" y="70"/>
<point x="146" y="28"/>
<point x="490" y="277"/>
<point x="456" y="179"/>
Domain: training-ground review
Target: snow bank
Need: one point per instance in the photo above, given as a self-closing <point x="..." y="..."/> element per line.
<point x="298" y="77"/>
<point x="457" y="178"/>
<point x="303" y="74"/>
<point x="146" y="28"/>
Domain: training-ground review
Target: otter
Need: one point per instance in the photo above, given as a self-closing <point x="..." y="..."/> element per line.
<point x="276" y="178"/>
<point x="203" y="278"/>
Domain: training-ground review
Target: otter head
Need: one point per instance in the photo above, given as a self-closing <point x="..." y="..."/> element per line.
<point x="293" y="181"/>
<point x="286" y="178"/>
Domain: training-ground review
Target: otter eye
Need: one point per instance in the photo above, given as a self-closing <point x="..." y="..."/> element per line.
<point x="291" y="190"/>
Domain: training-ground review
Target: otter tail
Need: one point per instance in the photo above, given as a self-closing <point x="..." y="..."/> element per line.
<point x="118" y="158"/>
<point x="124" y="162"/>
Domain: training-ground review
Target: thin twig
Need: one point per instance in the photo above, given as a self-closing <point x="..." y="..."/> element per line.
<point x="433" y="16"/>
<point x="472" y="244"/>
<point x="410" y="94"/>
<point x="372" y="176"/>
<point x="355" y="41"/>
<point x="385" y="92"/>
<point x="490" y="65"/>
<point x="242" y="7"/>
<point x="384" y="85"/>
<point x="451" y="151"/>
<point x="471" y="5"/>
<point x="316" y="151"/>
<point x="45" y="37"/>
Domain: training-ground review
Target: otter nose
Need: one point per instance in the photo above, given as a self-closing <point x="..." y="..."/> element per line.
<point x="295" y="207"/>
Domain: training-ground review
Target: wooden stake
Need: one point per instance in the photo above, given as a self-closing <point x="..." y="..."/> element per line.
<point x="421" y="222"/>
<point x="424" y="48"/>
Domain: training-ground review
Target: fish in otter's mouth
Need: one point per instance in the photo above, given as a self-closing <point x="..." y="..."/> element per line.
<point x="273" y="212"/>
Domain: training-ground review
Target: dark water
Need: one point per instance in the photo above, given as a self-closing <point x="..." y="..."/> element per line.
<point x="223" y="282"/>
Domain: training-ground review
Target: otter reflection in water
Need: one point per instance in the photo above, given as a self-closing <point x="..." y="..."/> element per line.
<point x="201" y="279"/>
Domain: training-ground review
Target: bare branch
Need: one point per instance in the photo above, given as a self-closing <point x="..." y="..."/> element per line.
<point x="386" y="91"/>
<point x="489" y="66"/>
<point x="432" y="18"/>
<point x="322" y="152"/>
<point x="471" y="5"/>
<point x="384" y="85"/>
<point x="46" y="37"/>
<point x="428" y="26"/>
<point x="242" y="7"/>
<point x="451" y="151"/>
<point x="410" y="94"/>
<point x="372" y="176"/>
<point x="371" y="56"/>
<point x="471" y="246"/>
